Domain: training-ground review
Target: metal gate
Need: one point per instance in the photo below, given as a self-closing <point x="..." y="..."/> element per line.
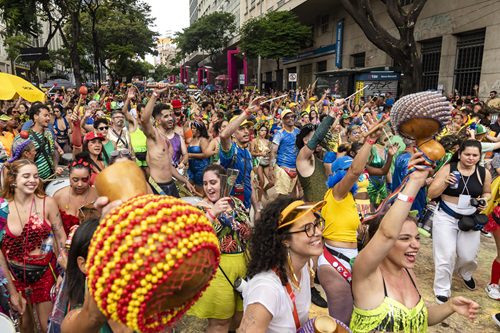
<point x="431" y="56"/>
<point x="468" y="61"/>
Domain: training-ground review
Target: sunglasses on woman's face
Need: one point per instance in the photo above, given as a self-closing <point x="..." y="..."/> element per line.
<point x="310" y="228"/>
<point x="103" y="128"/>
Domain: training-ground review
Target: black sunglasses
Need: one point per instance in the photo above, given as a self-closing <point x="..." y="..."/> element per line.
<point x="310" y="228"/>
<point x="103" y="128"/>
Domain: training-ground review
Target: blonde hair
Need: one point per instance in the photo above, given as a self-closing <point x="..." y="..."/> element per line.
<point x="9" y="185"/>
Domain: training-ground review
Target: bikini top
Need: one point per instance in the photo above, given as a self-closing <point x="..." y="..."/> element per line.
<point x="391" y="316"/>
<point x="61" y="134"/>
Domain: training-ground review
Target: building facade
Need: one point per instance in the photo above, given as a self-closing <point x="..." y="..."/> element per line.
<point x="458" y="42"/>
<point x="166" y="51"/>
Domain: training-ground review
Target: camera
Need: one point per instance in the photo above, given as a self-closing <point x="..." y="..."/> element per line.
<point x="477" y="202"/>
<point x="240" y="284"/>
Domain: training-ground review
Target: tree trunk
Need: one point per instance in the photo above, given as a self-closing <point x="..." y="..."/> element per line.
<point x="74" y="56"/>
<point x="411" y="69"/>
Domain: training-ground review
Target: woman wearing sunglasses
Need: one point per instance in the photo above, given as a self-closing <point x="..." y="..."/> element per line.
<point x="278" y="295"/>
<point x="101" y="126"/>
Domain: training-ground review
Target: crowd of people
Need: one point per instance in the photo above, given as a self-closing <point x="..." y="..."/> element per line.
<point x="294" y="184"/>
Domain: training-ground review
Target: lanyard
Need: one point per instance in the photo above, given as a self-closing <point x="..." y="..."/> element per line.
<point x="343" y="271"/>
<point x="294" y="312"/>
<point x="291" y="294"/>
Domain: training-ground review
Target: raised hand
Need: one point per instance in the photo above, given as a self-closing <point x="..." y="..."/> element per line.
<point x="421" y="171"/>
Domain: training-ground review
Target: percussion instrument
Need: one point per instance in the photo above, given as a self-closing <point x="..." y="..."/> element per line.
<point x="150" y="258"/>
<point x="420" y="117"/>
<point x="56" y="185"/>
<point x="66" y="158"/>
<point x="324" y="324"/>
<point x="6" y="324"/>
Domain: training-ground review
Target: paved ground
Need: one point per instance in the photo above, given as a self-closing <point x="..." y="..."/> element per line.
<point x="425" y="274"/>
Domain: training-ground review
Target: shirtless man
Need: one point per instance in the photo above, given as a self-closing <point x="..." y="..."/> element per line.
<point x="160" y="150"/>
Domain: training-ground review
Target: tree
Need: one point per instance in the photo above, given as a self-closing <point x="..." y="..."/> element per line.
<point x="124" y="37"/>
<point x="276" y="35"/>
<point x="403" y="49"/>
<point x="210" y="33"/>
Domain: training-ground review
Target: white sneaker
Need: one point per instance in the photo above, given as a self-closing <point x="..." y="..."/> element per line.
<point x="493" y="291"/>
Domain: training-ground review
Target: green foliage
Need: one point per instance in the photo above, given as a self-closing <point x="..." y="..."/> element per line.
<point x="210" y="33"/>
<point x="19" y="16"/>
<point x="275" y="35"/>
<point x="130" y="68"/>
<point x="123" y="35"/>
<point x="46" y="66"/>
<point x="14" y="44"/>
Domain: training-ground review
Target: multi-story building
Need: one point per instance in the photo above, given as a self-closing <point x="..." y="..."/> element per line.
<point x="458" y="42"/>
<point x="166" y="51"/>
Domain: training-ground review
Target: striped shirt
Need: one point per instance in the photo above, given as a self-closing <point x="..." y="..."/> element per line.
<point x="45" y="168"/>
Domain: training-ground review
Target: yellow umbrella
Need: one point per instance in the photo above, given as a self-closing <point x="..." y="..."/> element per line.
<point x="11" y="87"/>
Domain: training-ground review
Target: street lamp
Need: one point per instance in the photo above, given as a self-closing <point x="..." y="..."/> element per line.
<point x="93" y="6"/>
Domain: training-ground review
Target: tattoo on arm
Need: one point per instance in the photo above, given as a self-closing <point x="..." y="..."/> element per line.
<point x="247" y="322"/>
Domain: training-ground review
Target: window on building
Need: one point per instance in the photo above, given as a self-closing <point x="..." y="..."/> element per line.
<point x="468" y="61"/>
<point x="431" y="56"/>
<point x="324" y="23"/>
<point x="269" y="77"/>
<point x="405" y="2"/>
<point x="358" y="59"/>
<point x="321" y="66"/>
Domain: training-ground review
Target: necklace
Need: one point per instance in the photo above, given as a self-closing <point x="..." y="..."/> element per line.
<point x="66" y="207"/>
<point x="19" y="215"/>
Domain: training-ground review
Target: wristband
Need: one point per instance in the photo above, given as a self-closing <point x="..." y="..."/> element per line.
<point x="370" y="141"/>
<point x="155" y="94"/>
<point x="247" y="112"/>
<point x="405" y="198"/>
<point x="211" y="215"/>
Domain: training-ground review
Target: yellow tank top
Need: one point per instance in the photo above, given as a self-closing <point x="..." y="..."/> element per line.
<point x="341" y="218"/>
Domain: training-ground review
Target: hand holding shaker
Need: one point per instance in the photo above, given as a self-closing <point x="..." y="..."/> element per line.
<point x="455" y="173"/>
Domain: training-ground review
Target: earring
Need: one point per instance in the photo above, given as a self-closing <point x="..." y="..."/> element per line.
<point x="293" y="277"/>
<point x="13" y="185"/>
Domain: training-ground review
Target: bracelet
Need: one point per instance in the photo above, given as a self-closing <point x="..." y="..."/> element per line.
<point x="248" y="113"/>
<point x="370" y="141"/>
<point x="211" y="215"/>
<point x="405" y="198"/>
<point x="155" y="94"/>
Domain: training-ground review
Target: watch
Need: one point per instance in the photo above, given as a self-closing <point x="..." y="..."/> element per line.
<point x="405" y="198"/>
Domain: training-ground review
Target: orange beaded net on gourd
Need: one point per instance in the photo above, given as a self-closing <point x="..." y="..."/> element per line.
<point x="149" y="261"/>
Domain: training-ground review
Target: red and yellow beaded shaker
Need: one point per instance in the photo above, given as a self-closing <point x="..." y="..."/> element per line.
<point x="150" y="258"/>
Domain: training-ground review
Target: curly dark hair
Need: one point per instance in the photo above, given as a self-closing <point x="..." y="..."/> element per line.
<point x="267" y="250"/>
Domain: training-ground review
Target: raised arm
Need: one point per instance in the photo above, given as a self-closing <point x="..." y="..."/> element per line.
<point x="341" y="189"/>
<point x="388" y="232"/>
<point x="225" y="136"/>
<point x="308" y="150"/>
<point x="147" y="126"/>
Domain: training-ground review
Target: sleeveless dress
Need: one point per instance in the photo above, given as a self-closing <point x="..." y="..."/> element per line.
<point x="196" y="166"/>
<point x="18" y="249"/>
<point x="391" y="316"/>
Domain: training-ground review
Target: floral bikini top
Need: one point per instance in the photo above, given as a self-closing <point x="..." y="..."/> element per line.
<point x="233" y="228"/>
<point x="391" y="316"/>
